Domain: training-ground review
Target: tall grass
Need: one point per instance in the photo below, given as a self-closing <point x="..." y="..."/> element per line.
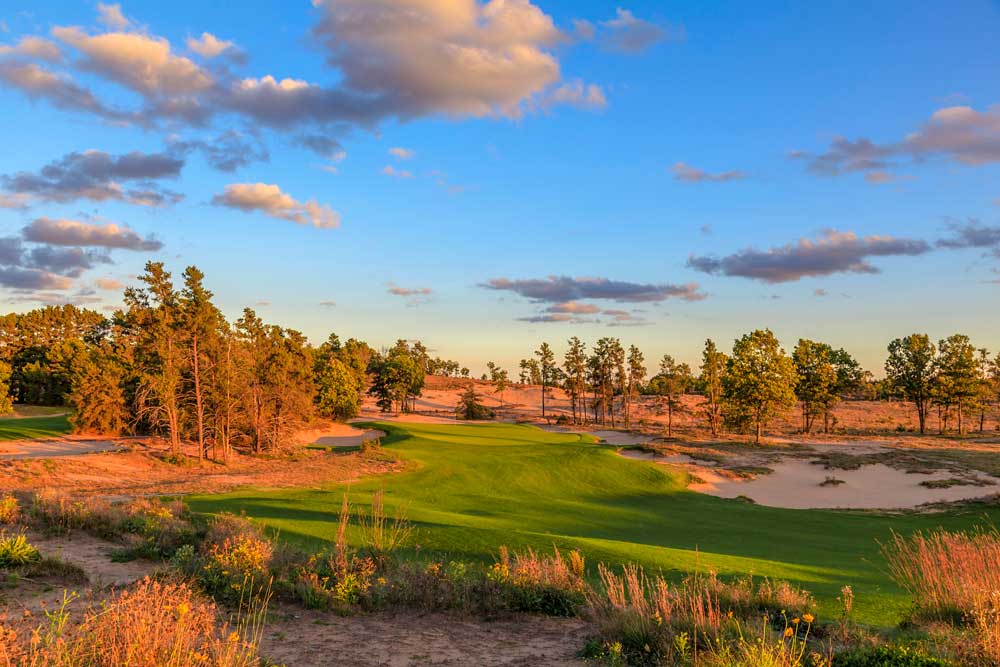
<point x="652" y="621"/>
<point x="150" y="624"/>
<point x="949" y="574"/>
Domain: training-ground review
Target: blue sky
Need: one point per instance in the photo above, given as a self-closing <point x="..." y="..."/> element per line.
<point x="561" y="161"/>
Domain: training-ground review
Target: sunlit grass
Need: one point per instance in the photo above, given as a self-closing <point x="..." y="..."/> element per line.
<point x="471" y="488"/>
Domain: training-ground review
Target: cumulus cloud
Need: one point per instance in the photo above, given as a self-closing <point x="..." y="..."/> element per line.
<point x="389" y="170"/>
<point x="328" y="304"/>
<point x="688" y="174"/>
<point x="60" y="90"/>
<point x="396" y="290"/>
<point x="573" y="308"/>
<point x="561" y="289"/>
<point x="143" y="63"/>
<point x="392" y="58"/>
<point x="402" y="153"/>
<point x="32" y="279"/>
<point x="323" y="145"/>
<point x="97" y="176"/>
<point x="109" y="284"/>
<point x="833" y="252"/>
<point x="270" y="200"/>
<point x="15" y="201"/>
<point x="227" y="152"/>
<point x="33" y="47"/>
<point x="628" y="34"/>
<point x="75" y="233"/>
<point x="960" y="134"/>
<point x="112" y="16"/>
<point x="210" y="46"/>
<point x="42" y="267"/>
<point x="456" y="58"/>
<point x="70" y="262"/>
<point x="576" y="94"/>
<point x="972" y="234"/>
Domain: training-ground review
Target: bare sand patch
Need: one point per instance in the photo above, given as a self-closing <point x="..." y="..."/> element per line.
<point x="298" y="636"/>
<point x="799" y="484"/>
<point x="54" y="447"/>
<point x="341" y="435"/>
<point x="410" y="418"/>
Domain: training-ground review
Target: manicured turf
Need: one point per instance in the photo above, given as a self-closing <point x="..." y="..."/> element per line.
<point x="22" y="428"/>
<point x="472" y="488"/>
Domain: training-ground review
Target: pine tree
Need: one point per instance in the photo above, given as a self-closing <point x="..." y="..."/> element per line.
<point x="713" y="370"/>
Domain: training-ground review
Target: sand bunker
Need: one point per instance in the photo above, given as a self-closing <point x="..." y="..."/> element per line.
<point x="800" y="484"/>
<point x="409" y="418"/>
<point x="45" y="449"/>
<point x="344" y="435"/>
<point x="619" y="438"/>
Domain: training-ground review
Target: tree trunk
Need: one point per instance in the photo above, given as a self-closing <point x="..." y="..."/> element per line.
<point x="199" y="405"/>
<point x="670" y="418"/>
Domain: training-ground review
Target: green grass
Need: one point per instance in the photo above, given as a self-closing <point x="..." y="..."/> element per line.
<point x="26" y="428"/>
<point x="471" y="488"/>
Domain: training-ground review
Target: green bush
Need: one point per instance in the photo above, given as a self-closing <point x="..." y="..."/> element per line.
<point x="888" y="656"/>
<point x="15" y="551"/>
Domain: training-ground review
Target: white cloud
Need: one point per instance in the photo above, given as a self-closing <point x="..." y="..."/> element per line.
<point x="270" y="200"/>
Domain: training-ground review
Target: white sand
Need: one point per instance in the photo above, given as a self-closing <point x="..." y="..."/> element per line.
<point x="796" y="484"/>
<point x="619" y="438"/>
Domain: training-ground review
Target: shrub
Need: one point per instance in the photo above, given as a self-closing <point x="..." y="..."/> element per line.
<point x="10" y="509"/>
<point x="534" y="582"/>
<point x="648" y="616"/>
<point x="235" y="559"/>
<point x="152" y="623"/>
<point x="888" y="656"/>
<point x="15" y="551"/>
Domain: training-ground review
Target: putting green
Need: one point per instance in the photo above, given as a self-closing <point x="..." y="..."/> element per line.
<point x="470" y="488"/>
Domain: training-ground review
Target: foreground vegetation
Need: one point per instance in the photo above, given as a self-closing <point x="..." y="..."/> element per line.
<point x="470" y="488"/>
<point x="636" y="619"/>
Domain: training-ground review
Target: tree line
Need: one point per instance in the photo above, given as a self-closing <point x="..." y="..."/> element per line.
<point x="743" y="390"/>
<point x="170" y="364"/>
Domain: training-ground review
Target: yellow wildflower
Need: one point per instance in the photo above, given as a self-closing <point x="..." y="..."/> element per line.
<point x="789" y="632"/>
<point x="808" y="618"/>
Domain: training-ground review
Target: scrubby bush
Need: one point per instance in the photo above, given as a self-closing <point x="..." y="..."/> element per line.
<point x="10" y="509"/>
<point x="888" y="656"/>
<point x="655" y="621"/>
<point x="151" y="623"/>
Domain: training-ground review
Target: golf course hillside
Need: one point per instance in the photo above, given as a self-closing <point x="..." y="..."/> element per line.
<point x="468" y="489"/>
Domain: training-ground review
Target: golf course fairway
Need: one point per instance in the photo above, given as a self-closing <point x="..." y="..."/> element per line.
<point x="470" y="488"/>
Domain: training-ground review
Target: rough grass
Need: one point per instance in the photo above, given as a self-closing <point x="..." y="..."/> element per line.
<point x="469" y="488"/>
<point x="34" y="427"/>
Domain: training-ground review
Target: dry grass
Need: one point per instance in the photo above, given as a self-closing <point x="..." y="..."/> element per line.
<point x="151" y="624"/>
<point x="948" y="574"/>
<point x="652" y="621"/>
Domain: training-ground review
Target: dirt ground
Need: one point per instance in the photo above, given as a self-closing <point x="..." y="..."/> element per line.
<point x="299" y="636"/>
<point x="295" y="636"/>
<point x="144" y="469"/>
